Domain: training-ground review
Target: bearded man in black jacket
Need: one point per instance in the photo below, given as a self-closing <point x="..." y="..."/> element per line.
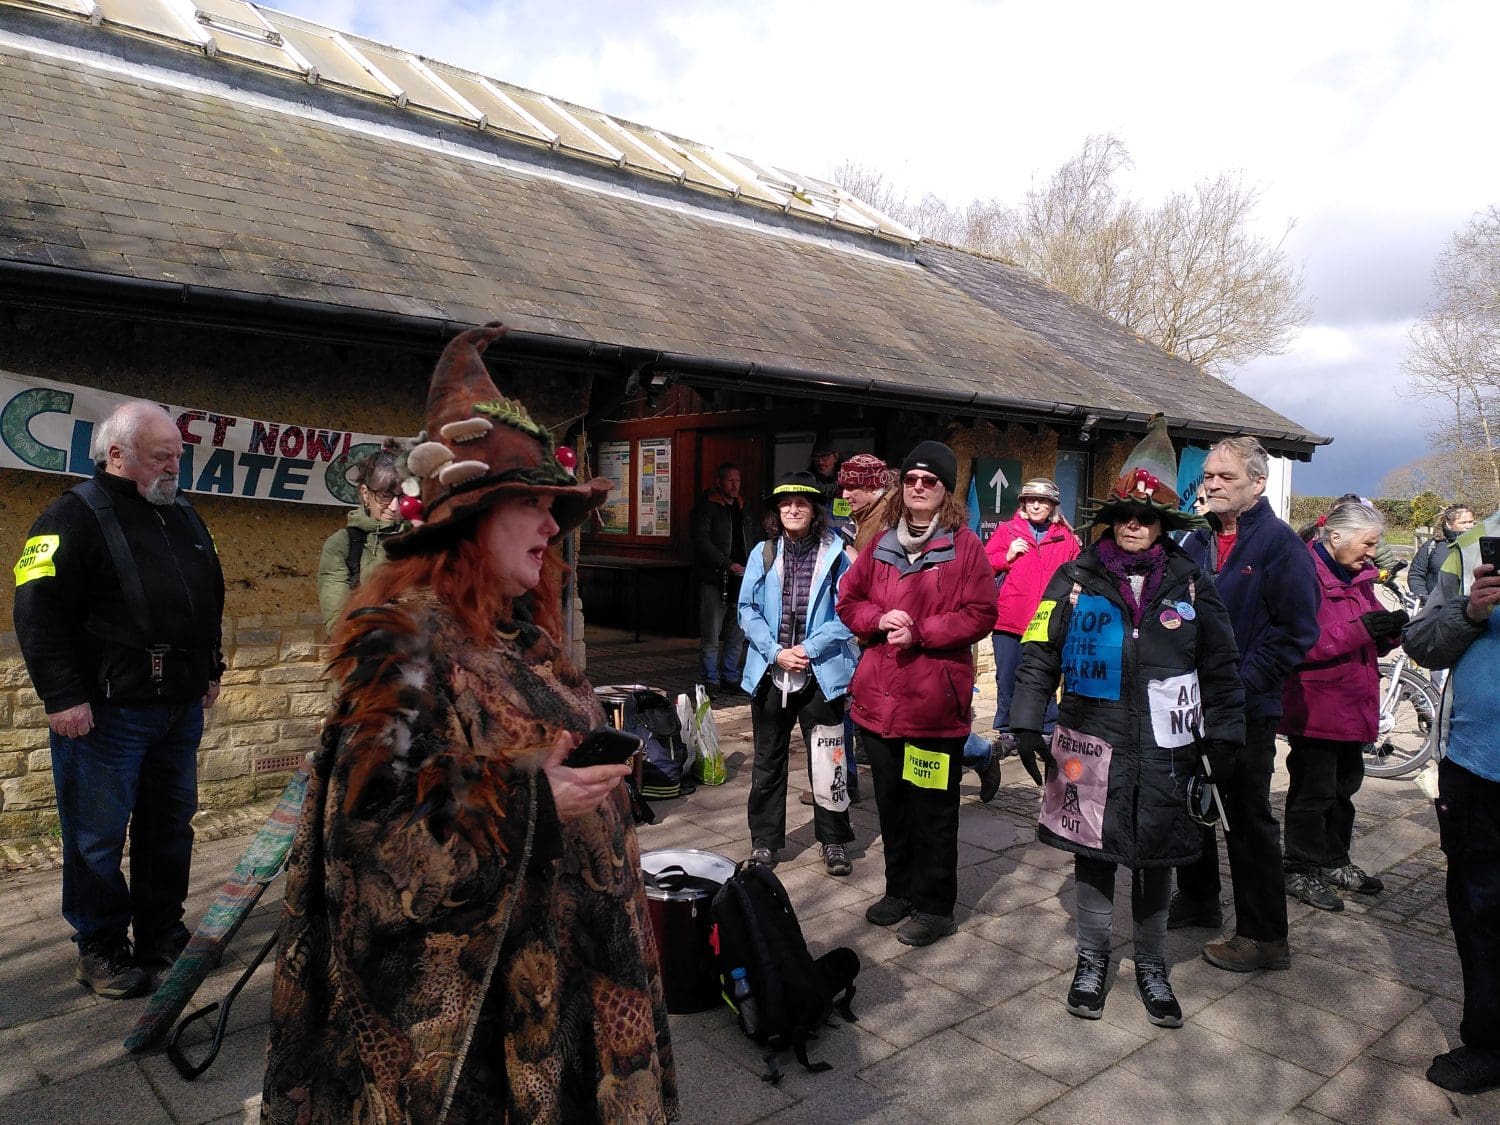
<point x="119" y="599"/>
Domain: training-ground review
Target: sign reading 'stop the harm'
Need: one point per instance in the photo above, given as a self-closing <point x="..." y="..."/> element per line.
<point x="47" y="427"/>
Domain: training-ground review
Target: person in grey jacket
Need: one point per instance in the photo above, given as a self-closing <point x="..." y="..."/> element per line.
<point x="1427" y="563"/>
<point x="356" y="549"/>
<point x="1460" y="630"/>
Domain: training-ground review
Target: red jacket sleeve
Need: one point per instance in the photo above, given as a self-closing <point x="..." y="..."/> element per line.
<point x="855" y="607"/>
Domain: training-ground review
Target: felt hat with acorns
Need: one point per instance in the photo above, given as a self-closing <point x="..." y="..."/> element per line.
<point x="1149" y="480"/>
<point x="478" y="448"/>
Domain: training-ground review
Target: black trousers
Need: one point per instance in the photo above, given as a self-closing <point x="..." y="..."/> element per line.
<point x="1468" y="812"/>
<point x="1253" y="839"/>
<point x="919" y="825"/>
<point x="772" y="724"/>
<point x="1325" y="775"/>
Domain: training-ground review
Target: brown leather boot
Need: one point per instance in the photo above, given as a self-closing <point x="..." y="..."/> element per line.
<point x="1245" y="955"/>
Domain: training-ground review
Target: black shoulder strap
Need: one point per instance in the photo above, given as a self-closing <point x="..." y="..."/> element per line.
<point x="355" y="554"/>
<point x="94" y="495"/>
<point x="767" y="554"/>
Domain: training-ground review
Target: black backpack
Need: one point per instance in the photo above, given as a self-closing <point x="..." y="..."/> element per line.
<point x="651" y="716"/>
<point x="791" y="994"/>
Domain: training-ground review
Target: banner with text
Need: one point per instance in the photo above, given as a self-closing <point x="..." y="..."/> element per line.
<point x="47" y="427"/>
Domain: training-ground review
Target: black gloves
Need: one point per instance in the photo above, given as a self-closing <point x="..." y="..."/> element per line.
<point x="1030" y="745"/>
<point x="1382" y="623"/>
<point x="1221" y="756"/>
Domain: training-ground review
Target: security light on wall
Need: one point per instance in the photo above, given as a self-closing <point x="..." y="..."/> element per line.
<point x="1089" y="422"/>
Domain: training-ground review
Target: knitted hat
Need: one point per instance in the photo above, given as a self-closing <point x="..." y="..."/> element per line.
<point x="480" y="447"/>
<point x="1040" y="488"/>
<point x="798" y="483"/>
<point x="936" y="458"/>
<point x="864" y="470"/>
<point x="1149" y="479"/>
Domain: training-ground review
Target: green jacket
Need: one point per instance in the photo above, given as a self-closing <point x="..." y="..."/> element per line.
<point x="333" y="566"/>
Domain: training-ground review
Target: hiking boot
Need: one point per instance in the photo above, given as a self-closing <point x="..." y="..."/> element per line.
<point x="989" y="777"/>
<point x="1086" y="993"/>
<point x="1161" y="1004"/>
<point x="106" y="969"/>
<point x="1352" y="877"/>
<point x="836" y="860"/>
<point x="1465" y="1070"/>
<point x="766" y="857"/>
<point x="1244" y="955"/>
<point x="806" y="798"/>
<point x="1186" y="910"/>
<point x="157" y="955"/>
<point x="1311" y="889"/>
<point x="924" y="929"/>
<point x="887" y="912"/>
<point x="1004" y="746"/>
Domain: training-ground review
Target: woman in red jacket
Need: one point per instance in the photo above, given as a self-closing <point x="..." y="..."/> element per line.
<point x="918" y="598"/>
<point x="1329" y="708"/>
<point x="1025" y="552"/>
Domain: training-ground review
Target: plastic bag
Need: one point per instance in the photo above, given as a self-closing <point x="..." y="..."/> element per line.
<point x="687" y="719"/>
<point x="709" y="767"/>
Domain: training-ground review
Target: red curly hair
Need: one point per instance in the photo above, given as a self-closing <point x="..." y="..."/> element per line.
<point x="461" y="572"/>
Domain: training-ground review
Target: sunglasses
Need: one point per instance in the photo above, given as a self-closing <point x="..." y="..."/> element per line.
<point x="1146" y="517"/>
<point x="926" y="480"/>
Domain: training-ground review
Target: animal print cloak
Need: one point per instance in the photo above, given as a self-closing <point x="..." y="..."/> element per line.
<point x="450" y="950"/>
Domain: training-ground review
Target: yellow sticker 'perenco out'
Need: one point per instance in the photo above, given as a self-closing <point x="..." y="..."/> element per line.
<point x="36" y="559"/>
<point x="925" y="769"/>
<point x="1037" y="630"/>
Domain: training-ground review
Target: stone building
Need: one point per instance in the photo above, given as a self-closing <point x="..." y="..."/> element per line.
<point x="269" y="224"/>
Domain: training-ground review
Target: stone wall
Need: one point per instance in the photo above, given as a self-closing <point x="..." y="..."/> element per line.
<point x="267" y="717"/>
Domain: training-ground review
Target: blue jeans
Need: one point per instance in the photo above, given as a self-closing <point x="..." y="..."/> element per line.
<point x="976" y="752"/>
<point x="1007" y="648"/>
<point x="137" y="770"/>
<point x="721" y="644"/>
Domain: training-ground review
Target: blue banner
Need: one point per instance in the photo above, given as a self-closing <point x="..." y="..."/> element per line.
<point x="1189" y="475"/>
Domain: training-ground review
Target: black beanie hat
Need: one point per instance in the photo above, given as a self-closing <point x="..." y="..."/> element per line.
<point x="936" y="458"/>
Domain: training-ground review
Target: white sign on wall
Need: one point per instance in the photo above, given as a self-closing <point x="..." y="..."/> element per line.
<point x="46" y="427"/>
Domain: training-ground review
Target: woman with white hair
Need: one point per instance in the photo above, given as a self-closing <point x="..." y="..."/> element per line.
<point x="1329" y="708"/>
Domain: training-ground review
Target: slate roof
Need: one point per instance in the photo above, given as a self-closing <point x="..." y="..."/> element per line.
<point x="116" y="173"/>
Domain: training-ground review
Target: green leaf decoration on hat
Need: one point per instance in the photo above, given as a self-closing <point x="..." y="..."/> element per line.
<point x="511" y="413"/>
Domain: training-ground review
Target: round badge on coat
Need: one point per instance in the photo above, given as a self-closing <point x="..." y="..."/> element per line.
<point x="1170" y="619"/>
<point x="1186" y="611"/>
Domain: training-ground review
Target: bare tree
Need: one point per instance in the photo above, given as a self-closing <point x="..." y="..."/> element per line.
<point x="1189" y="274"/>
<point x="1455" y="354"/>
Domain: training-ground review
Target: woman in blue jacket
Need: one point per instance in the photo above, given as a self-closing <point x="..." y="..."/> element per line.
<point x="797" y="669"/>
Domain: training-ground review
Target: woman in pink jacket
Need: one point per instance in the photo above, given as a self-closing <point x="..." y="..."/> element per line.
<point x="1025" y="552"/>
<point x="918" y="598"/>
<point x="1329" y="708"/>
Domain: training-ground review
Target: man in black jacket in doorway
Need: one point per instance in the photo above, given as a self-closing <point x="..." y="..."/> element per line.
<point x="722" y="537"/>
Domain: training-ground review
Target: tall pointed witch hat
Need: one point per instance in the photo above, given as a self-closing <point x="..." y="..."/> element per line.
<point x="480" y="447"/>
<point x="1149" y="479"/>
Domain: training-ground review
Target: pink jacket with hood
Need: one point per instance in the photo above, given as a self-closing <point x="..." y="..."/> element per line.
<point x="1027" y="576"/>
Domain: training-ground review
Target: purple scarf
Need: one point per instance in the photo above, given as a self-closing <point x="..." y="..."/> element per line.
<point x="1152" y="563"/>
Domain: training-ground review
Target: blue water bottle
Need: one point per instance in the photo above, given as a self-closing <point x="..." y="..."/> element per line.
<point x="744" y="1002"/>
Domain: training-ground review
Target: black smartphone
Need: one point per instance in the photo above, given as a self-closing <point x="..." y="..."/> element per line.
<point x="1489" y="551"/>
<point x="605" y="746"/>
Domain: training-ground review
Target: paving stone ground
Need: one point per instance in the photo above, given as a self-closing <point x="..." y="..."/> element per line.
<point x="970" y="1029"/>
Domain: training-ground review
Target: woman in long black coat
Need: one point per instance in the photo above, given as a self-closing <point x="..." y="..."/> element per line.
<point x="1145" y="652"/>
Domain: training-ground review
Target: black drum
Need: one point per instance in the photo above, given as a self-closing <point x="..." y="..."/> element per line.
<point x="686" y="880"/>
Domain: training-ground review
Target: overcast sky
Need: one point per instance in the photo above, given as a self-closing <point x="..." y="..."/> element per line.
<point x="1367" y="123"/>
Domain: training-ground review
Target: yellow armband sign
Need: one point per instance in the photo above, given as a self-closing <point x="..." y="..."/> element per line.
<point x="36" y="559"/>
<point x="1037" y="630"/>
<point x="924" y="768"/>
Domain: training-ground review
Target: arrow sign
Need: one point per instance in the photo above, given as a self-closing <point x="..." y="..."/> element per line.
<point x="999" y="482"/>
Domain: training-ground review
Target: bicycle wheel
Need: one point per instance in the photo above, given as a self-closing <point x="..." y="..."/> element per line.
<point x="1408" y="725"/>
